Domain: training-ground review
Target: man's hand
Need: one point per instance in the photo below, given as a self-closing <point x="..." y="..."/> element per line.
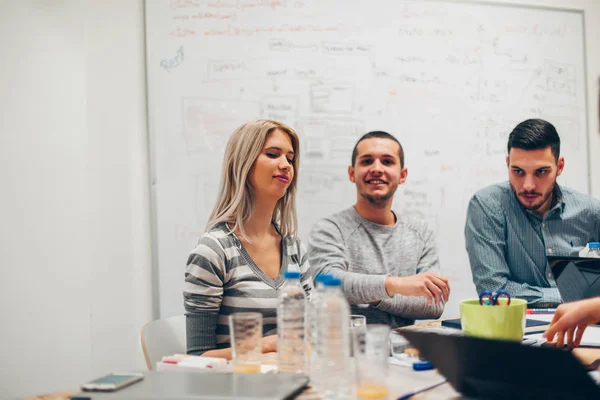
<point x="570" y="321"/>
<point x="269" y="344"/>
<point x="428" y="284"/>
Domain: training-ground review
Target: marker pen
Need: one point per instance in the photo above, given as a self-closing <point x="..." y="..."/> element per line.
<point x="541" y="310"/>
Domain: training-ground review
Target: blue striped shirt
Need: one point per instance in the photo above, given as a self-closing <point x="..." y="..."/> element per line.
<point x="508" y="244"/>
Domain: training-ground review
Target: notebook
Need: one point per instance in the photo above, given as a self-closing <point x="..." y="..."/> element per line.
<point x="158" y="385"/>
<point x="496" y="369"/>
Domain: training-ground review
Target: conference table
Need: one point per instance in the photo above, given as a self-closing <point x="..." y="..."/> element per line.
<point x="401" y="380"/>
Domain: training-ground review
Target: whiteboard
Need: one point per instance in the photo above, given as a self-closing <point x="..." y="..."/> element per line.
<point x="449" y="79"/>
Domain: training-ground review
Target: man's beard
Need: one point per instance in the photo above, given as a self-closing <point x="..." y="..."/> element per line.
<point x="536" y="207"/>
<point x="379" y="201"/>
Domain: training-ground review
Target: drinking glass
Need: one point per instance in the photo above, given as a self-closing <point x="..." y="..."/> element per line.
<point x="245" y="329"/>
<point x="372" y="363"/>
<point x="358" y="330"/>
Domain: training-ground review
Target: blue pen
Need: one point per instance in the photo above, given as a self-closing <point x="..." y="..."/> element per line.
<point x="426" y="388"/>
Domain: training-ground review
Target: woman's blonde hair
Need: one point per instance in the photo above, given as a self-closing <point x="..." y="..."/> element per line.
<point x="236" y="198"/>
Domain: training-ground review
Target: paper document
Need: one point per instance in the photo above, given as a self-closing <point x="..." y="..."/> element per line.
<point x="591" y="336"/>
<point x="182" y="362"/>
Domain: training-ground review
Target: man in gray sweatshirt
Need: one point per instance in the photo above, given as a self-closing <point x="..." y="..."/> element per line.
<point x="388" y="263"/>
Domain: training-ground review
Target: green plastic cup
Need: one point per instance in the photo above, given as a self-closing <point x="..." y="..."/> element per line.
<point x="494" y="322"/>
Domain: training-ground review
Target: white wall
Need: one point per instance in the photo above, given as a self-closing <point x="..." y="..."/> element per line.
<point x="74" y="210"/>
<point x="118" y="186"/>
<point x="75" y="258"/>
<point x="44" y="251"/>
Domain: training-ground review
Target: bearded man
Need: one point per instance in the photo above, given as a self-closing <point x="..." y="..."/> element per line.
<point x="512" y="227"/>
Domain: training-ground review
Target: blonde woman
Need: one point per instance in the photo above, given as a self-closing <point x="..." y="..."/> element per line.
<point x="250" y="239"/>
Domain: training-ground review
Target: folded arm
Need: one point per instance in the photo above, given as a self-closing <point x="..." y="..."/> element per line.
<point x="401" y="296"/>
<point x="203" y="294"/>
<point x="327" y="252"/>
<point x="412" y="307"/>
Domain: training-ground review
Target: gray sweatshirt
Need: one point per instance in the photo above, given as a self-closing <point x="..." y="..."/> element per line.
<point x="363" y="254"/>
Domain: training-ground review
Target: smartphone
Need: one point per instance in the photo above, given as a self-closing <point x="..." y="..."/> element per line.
<point x="112" y="382"/>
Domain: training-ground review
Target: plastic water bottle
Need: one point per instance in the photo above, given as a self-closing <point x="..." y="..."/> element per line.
<point x="591" y="250"/>
<point x="291" y="326"/>
<point x="333" y="343"/>
<point x="313" y="304"/>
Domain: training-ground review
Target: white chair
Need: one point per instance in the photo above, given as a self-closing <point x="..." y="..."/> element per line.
<point x="163" y="337"/>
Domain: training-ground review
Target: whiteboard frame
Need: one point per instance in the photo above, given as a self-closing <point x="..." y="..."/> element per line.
<point x="154" y="267"/>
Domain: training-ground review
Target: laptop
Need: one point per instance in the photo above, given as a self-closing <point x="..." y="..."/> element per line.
<point x="495" y="369"/>
<point x="206" y="385"/>
<point x="577" y="278"/>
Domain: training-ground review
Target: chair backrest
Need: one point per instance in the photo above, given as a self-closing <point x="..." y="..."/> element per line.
<point x="163" y="337"/>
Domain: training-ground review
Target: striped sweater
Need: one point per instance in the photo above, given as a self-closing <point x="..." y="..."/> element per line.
<point x="221" y="278"/>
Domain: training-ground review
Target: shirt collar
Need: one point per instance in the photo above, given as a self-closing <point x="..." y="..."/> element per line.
<point x="558" y="195"/>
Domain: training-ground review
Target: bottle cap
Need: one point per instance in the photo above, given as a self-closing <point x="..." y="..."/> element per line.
<point x="291" y="275"/>
<point x="333" y="282"/>
<point x="321" y="278"/>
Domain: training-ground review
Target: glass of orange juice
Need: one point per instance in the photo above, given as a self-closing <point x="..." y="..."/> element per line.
<point x="372" y="364"/>
<point x="245" y="330"/>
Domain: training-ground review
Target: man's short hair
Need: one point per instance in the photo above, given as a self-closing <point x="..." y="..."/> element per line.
<point x="382" y="135"/>
<point x="535" y="134"/>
